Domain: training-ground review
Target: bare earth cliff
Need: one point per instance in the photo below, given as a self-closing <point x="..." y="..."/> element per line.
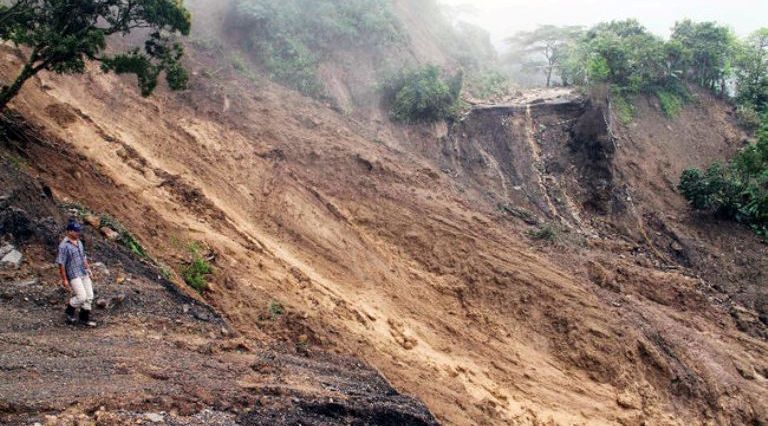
<point x="406" y="248"/>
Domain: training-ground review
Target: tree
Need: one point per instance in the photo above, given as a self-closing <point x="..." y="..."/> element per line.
<point x="624" y="53"/>
<point x="752" y="72"/>
<point x="711" y="48"/>
<point x="545" y="48"/>
<point x="63" y="34"/>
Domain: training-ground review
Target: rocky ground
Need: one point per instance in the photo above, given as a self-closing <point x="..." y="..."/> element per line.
<point x="158" y="356"/>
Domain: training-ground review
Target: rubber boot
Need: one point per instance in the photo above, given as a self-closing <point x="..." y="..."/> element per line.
<point x="85" y="318"/>
<point x="70" y="313"/>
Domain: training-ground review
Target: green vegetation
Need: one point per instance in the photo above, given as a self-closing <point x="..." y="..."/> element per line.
<point x="422" y="95"/>
<point x="16" y="161"/>
<point x="62" y="35"/>
<point x="671" y="103"/>
<point x="627" y="57"/>
<point x="545" y="49"/>
<point x="736" y="191"/>
<point x="487" y="84"/>
<point x="276" y="309"/>
<point x="195" y="272"/>
<point x="624" y="109"/>
<point x="751" y="72"/>
<point x="289" y="37"/>
<point x="544" y="233"/>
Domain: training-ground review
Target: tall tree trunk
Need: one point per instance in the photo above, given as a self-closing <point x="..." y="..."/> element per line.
<point x="9" y="92"/>
<point x="549" y="76"/>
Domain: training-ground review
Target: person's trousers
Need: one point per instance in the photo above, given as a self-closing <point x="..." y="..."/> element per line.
<point x="83" y="289"/>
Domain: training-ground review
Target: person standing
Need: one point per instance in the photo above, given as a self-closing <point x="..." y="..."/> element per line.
<point x="76" y="275"/>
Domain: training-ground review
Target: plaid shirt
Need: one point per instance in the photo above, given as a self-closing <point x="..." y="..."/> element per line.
<point x="72" y="257"/>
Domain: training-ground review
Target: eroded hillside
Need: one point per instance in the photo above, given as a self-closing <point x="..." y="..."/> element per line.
<point x="410" y="247"/>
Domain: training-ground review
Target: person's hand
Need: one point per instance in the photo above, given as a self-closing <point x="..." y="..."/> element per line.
<point x="65" y="284"/>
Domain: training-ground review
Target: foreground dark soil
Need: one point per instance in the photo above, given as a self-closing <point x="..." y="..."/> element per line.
<point x="157" y="354"/>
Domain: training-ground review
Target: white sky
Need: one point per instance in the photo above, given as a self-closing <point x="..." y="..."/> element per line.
<point x="503" y="17"/>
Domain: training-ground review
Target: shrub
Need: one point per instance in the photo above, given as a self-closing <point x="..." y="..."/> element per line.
<point x="422" y="95"/>
<point x="748" y="117"/>
<point x="276" y="309"/>
<point x="196" y="271"/>
<point x="737" y="191"/>
<point x="543" y="233"/>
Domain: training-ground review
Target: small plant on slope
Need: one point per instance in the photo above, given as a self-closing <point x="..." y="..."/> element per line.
<point x="543" y="233"/>
<point x="196" y="271"/>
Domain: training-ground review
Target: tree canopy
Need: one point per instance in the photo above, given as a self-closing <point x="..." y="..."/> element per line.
<point x="63" y="34"/>
<point x="752" y="71"/>
<point x="709" y="49"/>
<point x="545" y="49"/>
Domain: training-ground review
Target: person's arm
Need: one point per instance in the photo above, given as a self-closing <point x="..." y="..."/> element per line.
<point x="61" y="260"/>
<point x="63" y="274"/>
<point x="85" y="261"/>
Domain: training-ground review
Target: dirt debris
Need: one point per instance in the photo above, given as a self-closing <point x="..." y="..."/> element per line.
<point x="427" y="278"/>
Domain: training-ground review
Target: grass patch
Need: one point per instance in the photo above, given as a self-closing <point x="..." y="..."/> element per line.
<point x="195" y="273"/>
<point x="275" y="309"/>
<point x="623" y="108"/>
<point x="671" y="103"/>
<point x="16" y="161"/>
<point x="543" y="233"/>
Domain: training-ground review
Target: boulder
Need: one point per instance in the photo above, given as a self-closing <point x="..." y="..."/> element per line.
<point x="92" y="220"/>
<point x="5" y="249"/>
<point x="101" y="268"/>
<point x="110" y="233"/>
<point x="12" y="259"/>
<point x="154" y="417"/>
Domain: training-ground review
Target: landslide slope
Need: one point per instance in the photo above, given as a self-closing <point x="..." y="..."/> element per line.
<point x="412" y="251"/>
<point x="156" y="355"/>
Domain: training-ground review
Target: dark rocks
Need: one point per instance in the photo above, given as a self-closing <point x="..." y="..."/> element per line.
<point x="16" y="222"/>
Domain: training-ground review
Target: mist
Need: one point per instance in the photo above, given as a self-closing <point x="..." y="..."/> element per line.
<point x="502" y="18"/>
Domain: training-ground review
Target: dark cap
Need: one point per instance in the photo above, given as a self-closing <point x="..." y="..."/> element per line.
<point x="74" y="226"/>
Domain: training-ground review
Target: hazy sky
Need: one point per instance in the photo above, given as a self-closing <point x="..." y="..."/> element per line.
<point x="504" y="17"/>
